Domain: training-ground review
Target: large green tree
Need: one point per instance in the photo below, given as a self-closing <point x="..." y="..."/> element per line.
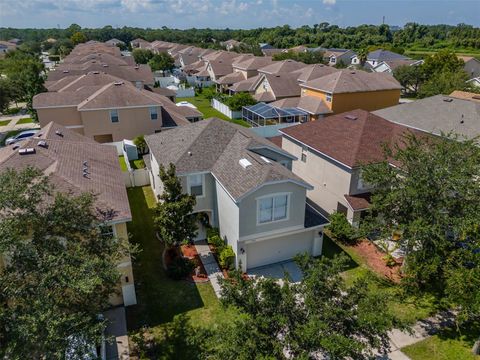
<point x="431" y="197"/>
<point x="142" y="56"/>
<point x="321" y="314"/>
<point x="60" y="268"/>
<point x="410" y="77"/>
<point x="162" y="61"/>
<point x="173" y="217"/>
<point x="25" y="73"/>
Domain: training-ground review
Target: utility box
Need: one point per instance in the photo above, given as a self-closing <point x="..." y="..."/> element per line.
<point x="130" y="150"/>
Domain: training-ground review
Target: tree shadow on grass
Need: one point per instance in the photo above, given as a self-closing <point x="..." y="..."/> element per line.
<point x="159" y="298"/>
<point x="331" y="249"/>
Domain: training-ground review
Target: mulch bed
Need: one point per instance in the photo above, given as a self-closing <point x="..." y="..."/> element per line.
<point x="374" y="259"/>
<point x="190" y="252"/>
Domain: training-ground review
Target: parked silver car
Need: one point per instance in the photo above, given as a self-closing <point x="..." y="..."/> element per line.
<point x="20" y="136"/>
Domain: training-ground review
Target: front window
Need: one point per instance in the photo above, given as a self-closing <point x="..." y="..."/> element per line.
<point x="328" y="97"/>
<point x="195" y="184"/>
<point x="114" y="116"/>
<point x="273" y="208"/>
<point x="333" y="59"/>
<point x="153" y="113"/>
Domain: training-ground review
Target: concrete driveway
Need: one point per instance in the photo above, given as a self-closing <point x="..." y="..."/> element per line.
<point x="278" y="271"/>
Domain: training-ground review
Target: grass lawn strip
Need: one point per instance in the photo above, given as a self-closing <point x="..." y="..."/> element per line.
<point x="446" y="345"/>
<point x="160" y="298"/>
<point x="5" y="122"/>
<point x="123" y="164"/>
<point x="25" y="121"/>
<point x="203" y="105"/>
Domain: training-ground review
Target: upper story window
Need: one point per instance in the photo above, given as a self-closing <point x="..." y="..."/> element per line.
<point x="328" y="97"/>
<point x="333" y="59"/>
<point x="114" y="115"/>
<point x="195" y="185"/>
<point x="273" y="208"/>
<point x="304" y="154"/>
<point x="153" y="113"/>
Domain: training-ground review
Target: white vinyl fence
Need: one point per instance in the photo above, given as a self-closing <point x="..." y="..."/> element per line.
<point x="225" y="110"/>
<point x="137" y="177"/>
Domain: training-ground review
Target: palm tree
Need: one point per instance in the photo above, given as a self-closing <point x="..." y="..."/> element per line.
<point x="362" y="56"/>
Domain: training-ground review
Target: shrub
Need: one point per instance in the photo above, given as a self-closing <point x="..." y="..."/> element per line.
<point x="211" y="232"/>
<point x="226" y="258"/>
<point x="341" y="228"/>
<point x="180" y="267"/>
<point x="217" y="242"/>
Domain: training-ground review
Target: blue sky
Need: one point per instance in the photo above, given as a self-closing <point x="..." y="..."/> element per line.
<point x="233" y="13"/>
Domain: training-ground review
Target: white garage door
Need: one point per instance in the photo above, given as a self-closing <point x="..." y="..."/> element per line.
<point x="278" y="249"/>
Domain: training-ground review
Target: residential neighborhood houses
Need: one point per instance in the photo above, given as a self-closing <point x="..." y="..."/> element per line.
<point x="266" y="185"/>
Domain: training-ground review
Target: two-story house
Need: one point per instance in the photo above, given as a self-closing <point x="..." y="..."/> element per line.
<point x="242" y="182"/>
<point x="107" y="111"/>
<point x="331" y="153"/>
<point x="347" y="90"/>
<point x="75" y="164"/>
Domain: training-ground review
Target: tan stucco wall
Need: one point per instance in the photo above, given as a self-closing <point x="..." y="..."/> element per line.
<point x="132" y="122"/>
<point x="330" y="181"/>
<point x="68" y="116"/>
<point x="370" y="101"/>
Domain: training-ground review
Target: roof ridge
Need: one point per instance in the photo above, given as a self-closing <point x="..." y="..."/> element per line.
<point x="94" y="95"/>
<point x="72" y="82"/>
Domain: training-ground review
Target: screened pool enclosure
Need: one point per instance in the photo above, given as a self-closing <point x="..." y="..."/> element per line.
<point x="262" y="114"/>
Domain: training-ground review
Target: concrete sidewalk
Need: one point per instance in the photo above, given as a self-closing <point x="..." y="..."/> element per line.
<point x="210" y="265"/>
<point x="420" y="331"/>
<point x="117" y="328"/>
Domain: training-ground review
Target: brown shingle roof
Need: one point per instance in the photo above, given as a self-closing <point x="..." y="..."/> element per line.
<point x="63" y="161"/>
<point x="314" y="71"/>
<point x="253" y="63"/>
<point x="311" y="104"/>
<point x="359" y="201"/>
<point x="283" y="67"/>
<point x="349" y="81"/>
<point x="351" y="141"/>
<point x="231" y="78"/>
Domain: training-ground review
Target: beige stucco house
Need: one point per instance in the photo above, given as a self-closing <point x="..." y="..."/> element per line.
<point x="244" y="185"/>
<point x="331" y="153"/>
<point x="76" y="164"/>
<point x="110" y="110"/>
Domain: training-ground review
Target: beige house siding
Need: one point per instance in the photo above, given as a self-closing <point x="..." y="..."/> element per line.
<point x="131" y="123"/>
<point x="67" y="116"/>
<point x="330" y="181"/>
<point x="124" y="267"/>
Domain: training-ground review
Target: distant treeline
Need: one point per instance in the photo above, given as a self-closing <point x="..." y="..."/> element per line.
<point x="411" y="36"/>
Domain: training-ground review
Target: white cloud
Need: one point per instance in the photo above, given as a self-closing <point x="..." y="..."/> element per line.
<point x="329" y="2"/>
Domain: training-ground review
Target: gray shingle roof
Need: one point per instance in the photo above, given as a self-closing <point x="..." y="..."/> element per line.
<point x="437" y="114"/>
<point x="216" y="146"/>
<point x="384" y="55"/>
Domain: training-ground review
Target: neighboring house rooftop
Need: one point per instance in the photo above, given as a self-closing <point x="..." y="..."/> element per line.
<point x="350" y="81"/>
<point x="245" y="85"/>
<point x="64" y="159"/>
<point x="253" y="63"/>
<point x="465" y="95"/>
<point x="314" y="71"/>
<point x="437" y="114"/>
<point x="385" y="55"/>
<point x="282" y="67"/>
<point x="352" y="138"/>
<point x="231" y="78"/>
<point x="75" y="82"/>
<point x="393" y="64"/>
<point x="283" y="85"/>
<point x="217" y="146"/>
<point x="311" y="104"/>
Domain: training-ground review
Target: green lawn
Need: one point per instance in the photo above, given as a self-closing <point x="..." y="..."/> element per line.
<point x="203" y="105"/>
<point x="408" y="308"/>
<point x="25" y="121"/>
<point x="160" y="299"/>
<point x="4" y="122"/>
<point x="447" y="345"/>
<point x="123" y="164"/>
